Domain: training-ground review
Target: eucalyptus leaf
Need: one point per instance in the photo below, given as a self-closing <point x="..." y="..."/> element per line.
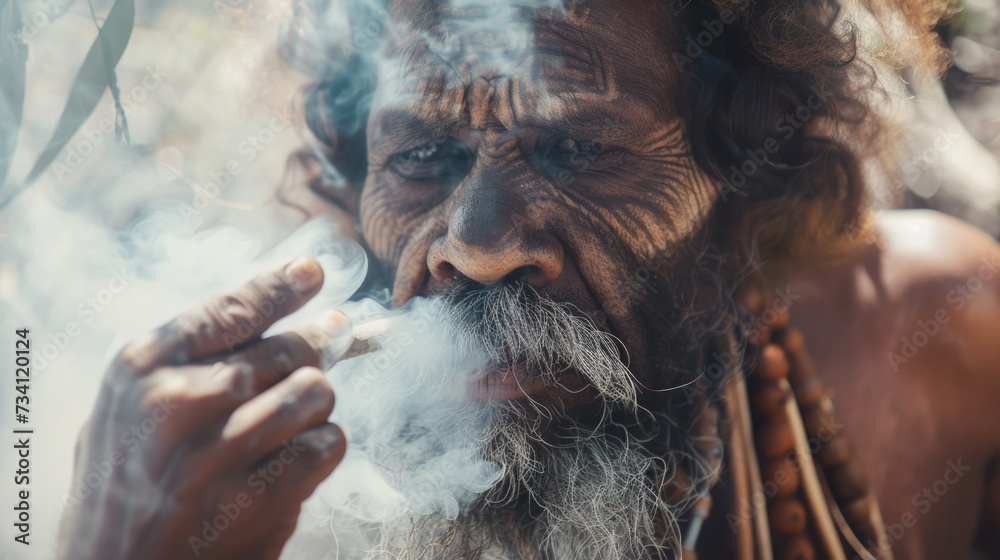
<point x="13" y="60"/>
<point x="88" y="88"/>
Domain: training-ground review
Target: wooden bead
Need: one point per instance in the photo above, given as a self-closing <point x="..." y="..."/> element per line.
<point x="753" y="300"/>
<point x="819" y="416"/>
<point x="781" y="319"/>
<point x="712" y="451"/>
<point x="707" y="424"/>
<point x="772" y="365"/>
<point x="811" y="393"/>
<point x="798" y="548"/>
<point x="775" y="438"/>
<point x="857" y="513"/>
<point x="792" y="340"/>
<point x="835" y="452"/>
<point x="802" y="370"/>
<point x="849" y="481"/>
<point x="769" y="399"/>
<point x="787" y="516"/>
<point x="781" y="477"/>
<point x="759" y="336"/>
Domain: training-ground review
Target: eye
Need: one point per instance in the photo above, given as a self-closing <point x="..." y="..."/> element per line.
<point x="441" y="161"/>
<point x="567" y="153"/>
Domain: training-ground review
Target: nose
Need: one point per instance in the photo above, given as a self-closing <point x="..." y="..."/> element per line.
<point x="494" y="236"/>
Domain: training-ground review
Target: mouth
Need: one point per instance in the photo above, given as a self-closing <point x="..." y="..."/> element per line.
<point x="506" y="383"/>
<point x="535" y="346"/>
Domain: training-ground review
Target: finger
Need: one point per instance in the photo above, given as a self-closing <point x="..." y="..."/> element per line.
<point x="208" y="394"/>
<point x="226" y="322"/>
<point x="301" y="464"/>
<point x="302" y="400"/>
<point x="319" y="344"/>
<point x="238" y="378"/>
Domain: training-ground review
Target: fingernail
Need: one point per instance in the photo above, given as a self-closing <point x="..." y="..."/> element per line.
<point x="337" y="336"/>
<point x="303" y="274"/>
<point x="335" y="322"/>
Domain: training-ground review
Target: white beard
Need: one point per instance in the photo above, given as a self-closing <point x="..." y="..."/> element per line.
<point x="596" y="494"/>
<point x="599" y="498"/>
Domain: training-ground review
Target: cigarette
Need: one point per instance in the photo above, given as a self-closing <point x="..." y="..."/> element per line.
<point x="365" y="336"/>
<point x="371" y="329"/>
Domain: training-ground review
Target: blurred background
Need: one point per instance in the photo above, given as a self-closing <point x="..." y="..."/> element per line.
<point x="939" y="169"/>
<point x="201" y="85"/>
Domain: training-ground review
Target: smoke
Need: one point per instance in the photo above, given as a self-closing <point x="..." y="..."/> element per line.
<point x="413" y="430"/>
<point x="414" y="434"/>
<point x="428" y="458"/>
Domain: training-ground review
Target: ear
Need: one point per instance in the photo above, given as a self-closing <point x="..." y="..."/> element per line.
<point x="336" y="112"/>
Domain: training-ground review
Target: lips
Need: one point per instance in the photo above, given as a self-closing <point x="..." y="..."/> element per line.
<point x="507" y="383"/>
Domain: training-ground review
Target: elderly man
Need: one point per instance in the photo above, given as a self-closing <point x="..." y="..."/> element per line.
<point x="691" y="178"/>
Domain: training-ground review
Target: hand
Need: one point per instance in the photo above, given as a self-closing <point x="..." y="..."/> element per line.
<point x="206" y="438"/>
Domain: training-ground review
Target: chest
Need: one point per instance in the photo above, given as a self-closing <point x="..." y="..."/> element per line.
<point x="900" y="401"/>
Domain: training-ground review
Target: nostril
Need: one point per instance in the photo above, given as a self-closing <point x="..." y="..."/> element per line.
<point x="450" y="259"/>
<point x="524" y="274"/>
<point x="445" y="272"/>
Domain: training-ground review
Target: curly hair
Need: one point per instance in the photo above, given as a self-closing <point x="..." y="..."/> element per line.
<point x="792" y="86"/>
<point x="777" y="62"/>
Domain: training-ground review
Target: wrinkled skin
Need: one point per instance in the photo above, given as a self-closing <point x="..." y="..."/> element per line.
<point x="525" y="195"/>
<point x="550" y="153"/>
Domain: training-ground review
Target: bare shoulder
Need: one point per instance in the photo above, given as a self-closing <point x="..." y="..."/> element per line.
<point x="918" y="261"/>
<point x="943" y="279"/>
<point x="941" y="276"/>
<point x="919" y="307"/>
<point x="906" y="333"/>
<point x="924" y="251"/>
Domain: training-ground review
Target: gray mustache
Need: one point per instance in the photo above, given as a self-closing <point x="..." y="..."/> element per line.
<point x="517" y="326"/>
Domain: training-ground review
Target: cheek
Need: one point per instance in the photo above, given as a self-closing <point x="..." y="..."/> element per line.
<point x="379" y="225"/>
<point x="636" y="247"/>
<point x="657" y="196"/>
<point x="393" y="217"/>
<point x="641" y="215"/>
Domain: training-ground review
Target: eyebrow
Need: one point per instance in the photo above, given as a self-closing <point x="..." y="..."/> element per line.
<point x="588" y="119"/>
<point x="583" y="124"/>
<point x="400" y="128"/>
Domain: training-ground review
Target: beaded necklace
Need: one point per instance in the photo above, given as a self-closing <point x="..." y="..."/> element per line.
<point x="784" y="457"/>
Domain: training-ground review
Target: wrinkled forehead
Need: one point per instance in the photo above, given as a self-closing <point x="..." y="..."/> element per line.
<point x="538" y="55"/>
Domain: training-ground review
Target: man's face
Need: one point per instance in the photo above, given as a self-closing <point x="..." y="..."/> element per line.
<point x="540" y="148"/>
